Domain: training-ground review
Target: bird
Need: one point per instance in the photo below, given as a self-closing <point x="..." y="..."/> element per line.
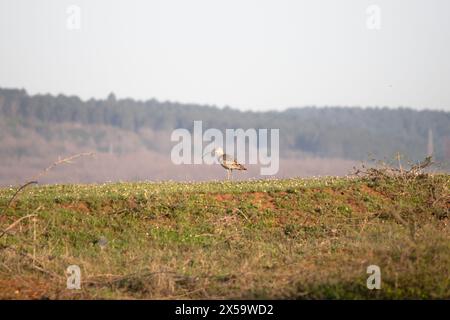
<point x="227" y="161"/>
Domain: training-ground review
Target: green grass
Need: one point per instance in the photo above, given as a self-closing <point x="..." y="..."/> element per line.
<point x="296" y="239"/>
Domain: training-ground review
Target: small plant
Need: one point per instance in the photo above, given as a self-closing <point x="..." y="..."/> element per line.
<point x="385" y="170"/>
<point x="413" y="188"/>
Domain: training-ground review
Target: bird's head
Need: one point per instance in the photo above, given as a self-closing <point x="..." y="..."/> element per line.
<point x="218" y="151"/>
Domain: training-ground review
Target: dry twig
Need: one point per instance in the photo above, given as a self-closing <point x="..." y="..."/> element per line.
<point x="15" y="223"/>
<point x="67" y="160"/>
<point x="18" y="190"/>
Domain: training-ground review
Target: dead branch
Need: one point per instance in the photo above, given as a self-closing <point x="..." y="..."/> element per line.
<point x="15" y="223"/>
<point x="38" y="265"/>
<point x="17" y="192"/>
<point x="386" y="171"/>
<point x="67" y="160"/>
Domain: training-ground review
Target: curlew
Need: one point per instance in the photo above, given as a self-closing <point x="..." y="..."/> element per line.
<point x="227" y="161"/>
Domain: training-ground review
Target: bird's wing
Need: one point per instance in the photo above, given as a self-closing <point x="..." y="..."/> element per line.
<point x="232" y="163"/>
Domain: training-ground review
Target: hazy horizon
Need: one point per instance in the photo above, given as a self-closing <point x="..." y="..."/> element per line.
<point x="252" y="55"/>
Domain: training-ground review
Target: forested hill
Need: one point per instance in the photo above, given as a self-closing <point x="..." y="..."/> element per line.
<point x="349" y="133"/>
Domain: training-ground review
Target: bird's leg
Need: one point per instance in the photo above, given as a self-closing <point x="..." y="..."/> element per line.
<point x="231" y="174"/>
<point x="228" y="174"/>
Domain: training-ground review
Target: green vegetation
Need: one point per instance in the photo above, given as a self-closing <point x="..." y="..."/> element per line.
<point x="297" y="238"/>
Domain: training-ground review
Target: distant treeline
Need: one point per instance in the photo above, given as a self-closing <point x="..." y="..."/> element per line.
<point x="350" y="133"/>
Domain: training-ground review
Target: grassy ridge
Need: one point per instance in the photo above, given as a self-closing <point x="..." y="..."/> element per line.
<point x="298" y="238"/>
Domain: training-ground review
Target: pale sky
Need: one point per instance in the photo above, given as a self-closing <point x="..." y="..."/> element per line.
<point x="248" y="54"/>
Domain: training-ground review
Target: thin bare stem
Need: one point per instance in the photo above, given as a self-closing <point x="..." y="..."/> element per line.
<point x="67" y="160"/>
<point x="34" y="240"/>
<point x="45" y="171"/>
<point x="15" y="223"/>
<point x="18" y="190"/>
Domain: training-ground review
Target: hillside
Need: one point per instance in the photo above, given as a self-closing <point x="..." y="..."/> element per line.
<point x="296" y="238"/>
<point x="131" y="139"/>
<point x="121" y="156"/>
<point x="338" y="132"/>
